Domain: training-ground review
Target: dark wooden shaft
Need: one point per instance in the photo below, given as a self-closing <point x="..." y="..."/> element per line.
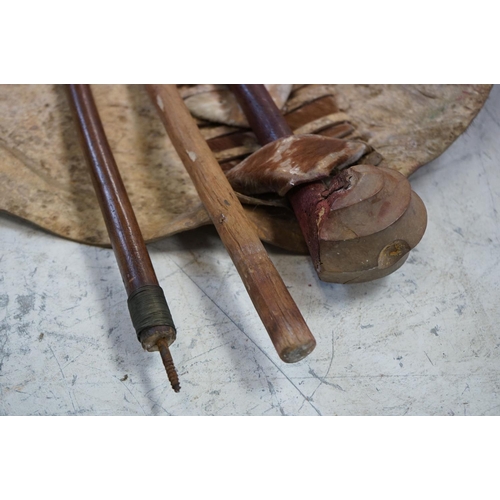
<point x="269" y="125"/>
<point x="262" y="114"/>
<point x="126" y="238"/>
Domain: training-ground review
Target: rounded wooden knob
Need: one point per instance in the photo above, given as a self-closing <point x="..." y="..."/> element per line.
<point x="364" y="223"/>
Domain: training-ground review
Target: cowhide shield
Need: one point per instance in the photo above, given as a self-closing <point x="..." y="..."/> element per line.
<point x="43" y="177"/>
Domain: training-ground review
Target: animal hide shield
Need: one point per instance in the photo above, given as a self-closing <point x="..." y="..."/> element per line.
<point x="43" y="177"/>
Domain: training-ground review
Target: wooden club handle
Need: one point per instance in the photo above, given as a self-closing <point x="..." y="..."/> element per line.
<point x="279" y="313"/>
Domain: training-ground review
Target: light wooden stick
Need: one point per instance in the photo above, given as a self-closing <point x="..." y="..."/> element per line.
<point x="279" y="313"/>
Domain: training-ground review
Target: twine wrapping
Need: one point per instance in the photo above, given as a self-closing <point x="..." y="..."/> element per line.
<point x="148" y="307"/>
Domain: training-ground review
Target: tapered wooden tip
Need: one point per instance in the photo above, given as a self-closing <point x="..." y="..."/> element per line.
<point x="297" y="353"/>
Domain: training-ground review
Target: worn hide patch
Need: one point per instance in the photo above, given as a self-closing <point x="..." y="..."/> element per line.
<point x="279" y="166"/>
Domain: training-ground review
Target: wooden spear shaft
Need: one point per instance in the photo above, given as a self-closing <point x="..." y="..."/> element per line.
<point x="279" y="313"/>
<point x="147" y="305"/>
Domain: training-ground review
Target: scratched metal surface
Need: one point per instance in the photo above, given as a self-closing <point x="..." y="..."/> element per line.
<point x="424" y="341"/>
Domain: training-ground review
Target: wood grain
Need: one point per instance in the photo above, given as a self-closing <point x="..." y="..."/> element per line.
<point x="279" y="313"/>
<point x="124" y="232"/>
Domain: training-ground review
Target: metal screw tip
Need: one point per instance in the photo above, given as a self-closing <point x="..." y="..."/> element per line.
<point x="168" y="362"/>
